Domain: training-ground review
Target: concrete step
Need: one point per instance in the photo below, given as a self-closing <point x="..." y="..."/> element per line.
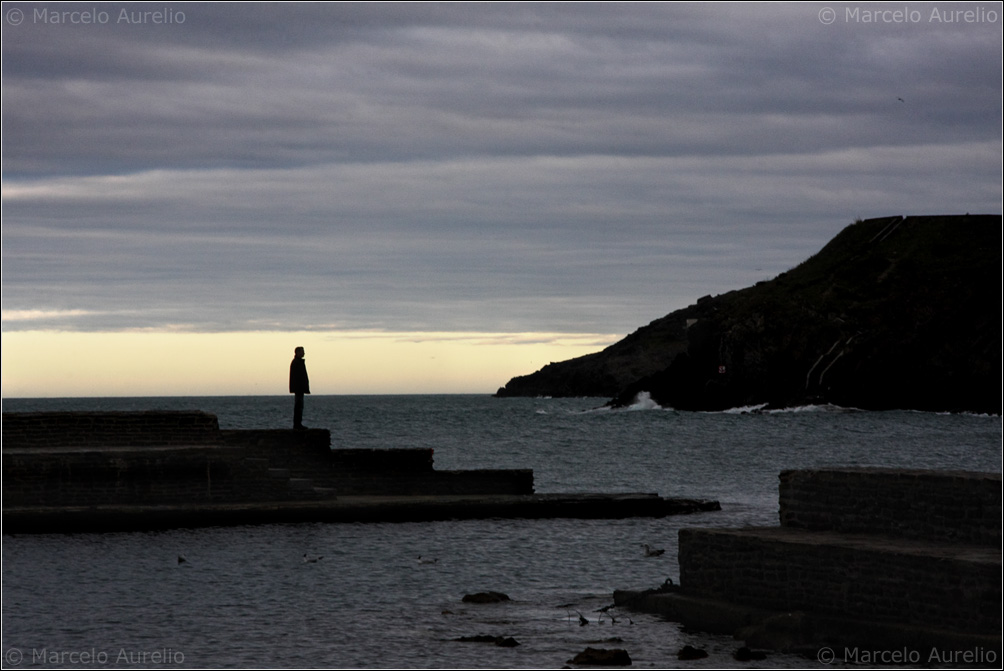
<point x="939" y="585"/>
<point x="301" y="484"/>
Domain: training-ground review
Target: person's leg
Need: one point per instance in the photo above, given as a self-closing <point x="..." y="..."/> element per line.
<point x="298" y="411"/>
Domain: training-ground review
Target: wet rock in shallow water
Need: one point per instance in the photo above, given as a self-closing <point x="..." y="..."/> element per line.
<point x="602" y="657"/>
<point x="480" y="638"/>
<point x="500" y="641"/>
<point x="486" y="597"/>
<point x="689" y="653"/>
<point x="744" y="654"/>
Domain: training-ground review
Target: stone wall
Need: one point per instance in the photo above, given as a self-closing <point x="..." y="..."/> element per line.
<point x="25" y="430"/>
<point x="841" y="577"/>
<point x="152" y="458"/>
<point x="898" y="547"/>
<point x="957" y="506"/>
<point x="131" y="476"/>
<point x="392" y="472"/>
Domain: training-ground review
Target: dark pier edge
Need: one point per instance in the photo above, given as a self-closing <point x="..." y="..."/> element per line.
<point x="127" y="471"/>
<point x="348" y="509"/>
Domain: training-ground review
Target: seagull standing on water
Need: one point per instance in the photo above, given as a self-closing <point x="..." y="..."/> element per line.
<point x="652" y="552"/>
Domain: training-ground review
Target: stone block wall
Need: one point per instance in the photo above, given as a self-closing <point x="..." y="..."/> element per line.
<point x="392" y="472"/>
<point x="771" y="569"/>
<point x="961" y="507"/>
<point x="109" y="429"/>
<point x="152" y="458"/>
<point x="129" y="476"/>
<point x="902" y="547"/>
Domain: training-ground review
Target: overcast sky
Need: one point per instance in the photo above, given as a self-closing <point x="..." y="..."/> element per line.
<point x="574" y="168"/>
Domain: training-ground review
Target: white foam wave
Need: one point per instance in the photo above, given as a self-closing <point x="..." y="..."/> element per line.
<point x="643" y="401"/>
<point x="762" y="409"/>
<point x="745" y="410"/>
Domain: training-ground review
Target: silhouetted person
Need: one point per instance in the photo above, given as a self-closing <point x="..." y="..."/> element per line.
<point x="299" y="385"/>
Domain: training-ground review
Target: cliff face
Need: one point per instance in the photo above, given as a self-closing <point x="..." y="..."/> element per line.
<point x="892" y="313"/>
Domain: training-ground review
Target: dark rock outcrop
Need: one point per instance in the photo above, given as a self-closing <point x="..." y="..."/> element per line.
<point x="892" y="313"/>
<point x="500" y="641"/>
<point x="602" y="657"/>
<point x="486" y="597"/>
<point x="689" y="653"/>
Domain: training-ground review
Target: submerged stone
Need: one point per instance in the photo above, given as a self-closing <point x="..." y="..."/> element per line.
<point x="486" y="597"/>
<point x="602" y="657"/>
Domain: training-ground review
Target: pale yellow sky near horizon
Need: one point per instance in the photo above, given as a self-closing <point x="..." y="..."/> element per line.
<point x="55" y="364"/>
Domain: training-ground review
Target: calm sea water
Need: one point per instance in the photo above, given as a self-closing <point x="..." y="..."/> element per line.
<point x="245" y="598"/>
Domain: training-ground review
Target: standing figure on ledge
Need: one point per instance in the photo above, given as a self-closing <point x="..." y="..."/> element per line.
<point x="299" y="384"/>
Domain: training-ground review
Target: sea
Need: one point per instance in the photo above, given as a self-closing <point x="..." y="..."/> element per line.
<point x="245" y="598"/>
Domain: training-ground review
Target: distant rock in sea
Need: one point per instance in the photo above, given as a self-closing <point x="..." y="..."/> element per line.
<point x="898" y="312"/>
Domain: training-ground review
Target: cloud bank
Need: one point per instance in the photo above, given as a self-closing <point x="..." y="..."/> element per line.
<point x="568" y="168"/>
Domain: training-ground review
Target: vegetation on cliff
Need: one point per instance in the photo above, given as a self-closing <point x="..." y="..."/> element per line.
<point x="892" y="313"/>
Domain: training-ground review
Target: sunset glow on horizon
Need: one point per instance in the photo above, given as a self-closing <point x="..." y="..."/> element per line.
<point x="49" y="364"/>
<point x="437" y="197"/>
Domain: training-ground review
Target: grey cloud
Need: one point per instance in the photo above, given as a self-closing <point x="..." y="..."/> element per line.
<point x="583" y="167"/>
<point x="433" y="82"/>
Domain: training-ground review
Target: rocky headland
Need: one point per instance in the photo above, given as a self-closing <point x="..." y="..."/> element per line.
<point x="897" y="312"/>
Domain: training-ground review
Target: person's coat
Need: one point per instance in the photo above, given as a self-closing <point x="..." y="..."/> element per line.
<point x="298" y="382"/>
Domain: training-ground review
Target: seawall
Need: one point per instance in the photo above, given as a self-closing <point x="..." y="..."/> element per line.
<point x="864" y="559"/>
<point x="957" y="506"/>
<point x="102" y="471"/>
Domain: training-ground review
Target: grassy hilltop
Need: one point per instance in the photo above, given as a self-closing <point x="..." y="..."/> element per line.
<point x="898" y="312"/>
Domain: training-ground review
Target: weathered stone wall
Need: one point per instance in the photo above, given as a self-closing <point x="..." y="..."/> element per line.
<point x="150" y="458"/>
<point x="904" y="547"/>
<point x="963" y="507"/>
<point x="393" y="472"/>
<point x="132" y="476"/>
<point x="109" y="429"/>
<point x="819" y="573"/>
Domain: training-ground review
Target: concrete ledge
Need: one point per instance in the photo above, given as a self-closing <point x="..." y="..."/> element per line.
<point x="348" y="509"/>
<point x="812" y="635"/>
<point x="919" y="586"/>
<point x="935" y="585"/>
<point x="718" y="617"/>
<point x="962" y="506"/>
<point x="58" y="476"/>
<point x="105" y="429"/>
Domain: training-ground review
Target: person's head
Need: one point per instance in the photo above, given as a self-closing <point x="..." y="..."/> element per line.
<point x="298" y="352"/>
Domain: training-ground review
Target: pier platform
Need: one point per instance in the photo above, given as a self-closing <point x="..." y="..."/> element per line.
<point x="358" y="508"/>
<point x="127" y="471"/>
<point x="921" y="579"/>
